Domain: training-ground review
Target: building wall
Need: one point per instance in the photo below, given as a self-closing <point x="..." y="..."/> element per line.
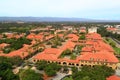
<point x="92" y="30"/>
<point x="82" y="63"/>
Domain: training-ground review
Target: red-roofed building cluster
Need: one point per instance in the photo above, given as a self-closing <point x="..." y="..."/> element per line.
<point x="92" y="49"/>
<point x="41" y="37"/>
<point x="94" y="52"/>
<point x="111" y="29"/>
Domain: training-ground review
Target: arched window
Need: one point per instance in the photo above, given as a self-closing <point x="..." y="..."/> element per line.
<point x="73" y="64"/>
<point x="48" y="61"/>
<point x="64" y="63"/>
<point x="77" y="64"/>
<point x="59" y="62"/>
<point x="81" y="64"/>
<point x="69" y="63"/>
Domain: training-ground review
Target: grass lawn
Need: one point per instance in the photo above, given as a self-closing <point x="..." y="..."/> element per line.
<point x="108" y="40"/>
<point x="68" y="78"/>
<point x="117" y="50"/>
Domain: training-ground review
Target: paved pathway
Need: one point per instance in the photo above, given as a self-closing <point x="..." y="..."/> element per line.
<point x="117" y="72"/>
<point x="116" y="41"/>
<point x="59" y="76"/>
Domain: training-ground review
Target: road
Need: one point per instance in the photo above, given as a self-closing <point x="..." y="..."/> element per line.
<point x="116" y="41"/>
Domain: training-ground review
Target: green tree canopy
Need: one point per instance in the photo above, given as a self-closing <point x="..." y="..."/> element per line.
<point x="30" y="75"/>
<point x="93" y="73"/>
<point x="49" y="68"/>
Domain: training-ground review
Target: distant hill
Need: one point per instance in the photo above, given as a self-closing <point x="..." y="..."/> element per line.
<point x="50" y="19"/>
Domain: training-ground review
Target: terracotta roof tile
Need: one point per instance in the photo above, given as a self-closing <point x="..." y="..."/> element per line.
<point x="112" y="29"/>
<point x="114" y="77"/>
<point x="99" y="56"/>
<point x="69" y="45"/>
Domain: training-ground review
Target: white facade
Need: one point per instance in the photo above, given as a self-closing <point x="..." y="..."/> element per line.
<point x="92" y="30"/>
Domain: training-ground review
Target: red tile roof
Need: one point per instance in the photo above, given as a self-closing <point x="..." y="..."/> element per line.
<point x="49" y="37"/>
<point x="33" y="36"/>
<point x="87" y="49"/>
<point x="94" y="36"/>
<point x="111" y="29"/>
<point x="97" y="51"/>
<point x="99" y="56"/>
<point x="23" y="52"/>
<point x="97" y="45"/>
<point x="42" y="56"/>
<point x="49" y="54"/>
<point x="60" y="35"/>
<point x="69" y="45"/>
<point x="54" y="51"/>
<point x="73" y="37"/>
<point x="3" y="45"/>
<point x="114" y="77"/>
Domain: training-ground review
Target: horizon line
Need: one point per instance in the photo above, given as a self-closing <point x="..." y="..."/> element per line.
<point x="60" y="17"/>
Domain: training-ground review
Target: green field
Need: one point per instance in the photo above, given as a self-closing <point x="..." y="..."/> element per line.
<point x="112" y="43"/>
<point x="68" y="78"/>
<point x="117" y="50"/>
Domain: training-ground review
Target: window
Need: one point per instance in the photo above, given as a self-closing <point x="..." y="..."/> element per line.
<point x="73" y="64"/>
<point x="34" y="60"/>
<point x="69" y="63"/>
<point x="77" y="64"/>
<point x="81" y="64"/>
<point x="64" y="63"/>
<point x="59" y="63"/>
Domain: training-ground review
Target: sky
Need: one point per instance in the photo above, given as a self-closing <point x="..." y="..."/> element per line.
<point x="91" y="9"/>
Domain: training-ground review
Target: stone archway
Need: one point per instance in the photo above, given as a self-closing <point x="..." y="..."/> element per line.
<point x="82" y="65"/>
<point x="69" y="63"/>
<point x="64" y="63"/>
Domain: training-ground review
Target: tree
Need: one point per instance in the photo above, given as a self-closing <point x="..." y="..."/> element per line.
<point x="74" y="69"/>
<point x="65" y="69"/>
<point x="93" y="73"/>
<point x="67" y="52"/>
<point x="16" y="60"/>
<point x="73" y="56"/>
<point x="82" y="37"/>
<point x="30" y="75"/>
<point x="8" y="75"/>
<point x="51" y="69"/>
<point x="6" y="72"/>
<point x="113" y="44"/>
<point x="86" y="78"/>
<point x="15" y="44"/>
<point x="5" y="66"/>
<point x="41" y="65"/>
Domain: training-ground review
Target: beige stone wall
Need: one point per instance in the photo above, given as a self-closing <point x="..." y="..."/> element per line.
<point x="81" y="63"/>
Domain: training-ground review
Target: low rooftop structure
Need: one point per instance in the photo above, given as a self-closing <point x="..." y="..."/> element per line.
<point x="114" y="77"/>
